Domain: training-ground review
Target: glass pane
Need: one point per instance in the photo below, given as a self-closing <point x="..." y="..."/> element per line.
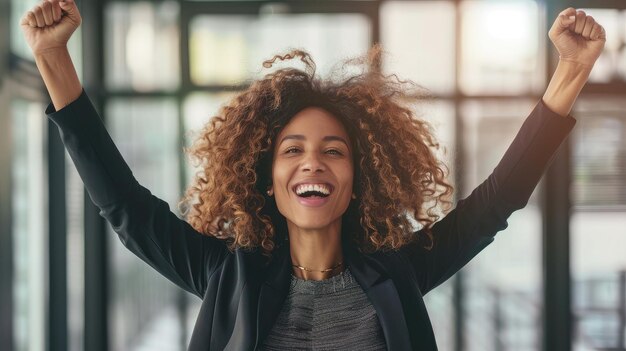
<point x="439" y="302"/>
<point x="75" y="230"/>
<point x="503" y="303"/>
<point x="440" y="114"/>
<point x="600" y="154"/>
<point x="142" y="46"/>
<point x="502" y="48"/>
<point x="75" y="256"/>
<point x="244" y="42"/>
<point x="622" y="59"/>
<point x="416" y="51"/>
<point x="143" y="303"/>
<point x="199" y="108"/>
<point x="597" y="225"/>
<point x="606" y="68"/>
<point x="30" y="224"/>
<point x="440" y="306"/>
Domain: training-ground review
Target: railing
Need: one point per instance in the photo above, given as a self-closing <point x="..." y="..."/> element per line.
<point x="600" y="313"/>
<point x="513" y="319"/>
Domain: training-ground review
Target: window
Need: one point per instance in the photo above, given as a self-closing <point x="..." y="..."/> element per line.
<point x="420" y="39"/>
<point x="501" y="48"/>
<point x="143" y="305"/>
<point x="199" y="108"/>
<point x="30" y="217"/>
<point x="142" y="41"/>
<point x="503" y="283"/>
<point x="244" y="42"/>
<point x="440" y="114"/>
<point x="597" y="224"/>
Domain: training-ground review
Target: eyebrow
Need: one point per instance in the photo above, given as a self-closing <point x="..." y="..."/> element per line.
<point x="326" y="138"/>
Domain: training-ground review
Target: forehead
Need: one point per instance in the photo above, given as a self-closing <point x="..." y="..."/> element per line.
<point x="314" y="122"/>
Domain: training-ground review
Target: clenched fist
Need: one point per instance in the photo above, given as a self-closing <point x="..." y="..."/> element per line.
<point x="577" y="37"/>
<point x="50" y="24"/>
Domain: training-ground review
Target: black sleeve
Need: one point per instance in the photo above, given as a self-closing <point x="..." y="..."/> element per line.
<point x="472" y="224"/>
<point x="144" y="223"/>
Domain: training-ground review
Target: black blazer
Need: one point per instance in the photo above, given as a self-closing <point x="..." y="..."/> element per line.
<point x="242" y="297"/>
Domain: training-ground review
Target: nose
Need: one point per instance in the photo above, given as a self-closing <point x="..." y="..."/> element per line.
<point x="312" y="163"/>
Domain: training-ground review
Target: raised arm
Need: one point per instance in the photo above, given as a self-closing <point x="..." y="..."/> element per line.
<point x="471" y="226"/>
<point x="47" y="27"/>
<point x="144" y="223"/>
<point x="579" y="41"/>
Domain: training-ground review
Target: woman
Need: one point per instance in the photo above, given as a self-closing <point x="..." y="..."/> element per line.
<point x="297" y="233"/>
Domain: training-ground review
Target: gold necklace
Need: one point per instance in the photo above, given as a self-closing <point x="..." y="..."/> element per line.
<point x="322" y="271"/>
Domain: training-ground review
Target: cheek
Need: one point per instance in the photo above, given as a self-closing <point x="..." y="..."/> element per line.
<point x="348" y="173"/>
<point x="280" y="180"/>
<point x="280" y="173"/>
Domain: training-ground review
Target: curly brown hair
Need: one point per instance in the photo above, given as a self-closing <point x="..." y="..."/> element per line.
<point x="398" y="178"/>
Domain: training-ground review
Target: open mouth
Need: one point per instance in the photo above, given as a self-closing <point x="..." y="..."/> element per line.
<point x="313" y="192"/>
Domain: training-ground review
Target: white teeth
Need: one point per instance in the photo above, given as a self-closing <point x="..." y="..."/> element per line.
<point x="300" y="189"/>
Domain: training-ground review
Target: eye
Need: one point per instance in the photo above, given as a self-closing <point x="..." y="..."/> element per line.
<point x="337" y="152"/>
<point x="291" y="149"/>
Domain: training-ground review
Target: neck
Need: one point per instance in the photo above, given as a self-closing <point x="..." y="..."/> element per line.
<point x="316" y="249"/>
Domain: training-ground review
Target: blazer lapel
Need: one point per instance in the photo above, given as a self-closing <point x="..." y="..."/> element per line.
<point x="383" y="295"/>
<point x="273" y="292"/>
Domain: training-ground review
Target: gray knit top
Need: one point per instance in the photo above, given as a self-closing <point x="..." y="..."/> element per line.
<point x="330" y="314"/>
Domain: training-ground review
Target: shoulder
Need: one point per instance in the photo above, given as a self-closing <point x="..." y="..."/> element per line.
<point x="392" y="262"/>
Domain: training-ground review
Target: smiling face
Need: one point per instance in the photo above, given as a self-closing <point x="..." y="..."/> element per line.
<point x="312" y="156"/>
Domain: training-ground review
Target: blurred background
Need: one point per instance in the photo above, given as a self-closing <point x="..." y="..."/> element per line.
<point x="158" y="70"/>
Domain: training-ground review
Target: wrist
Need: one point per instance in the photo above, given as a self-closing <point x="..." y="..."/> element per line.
<point x="568" y="80"/>
<point x="51" y="53"/>
<point x="571" y="74"/>
<point x="574" y="65"/>
<point x="59" y="76"/>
